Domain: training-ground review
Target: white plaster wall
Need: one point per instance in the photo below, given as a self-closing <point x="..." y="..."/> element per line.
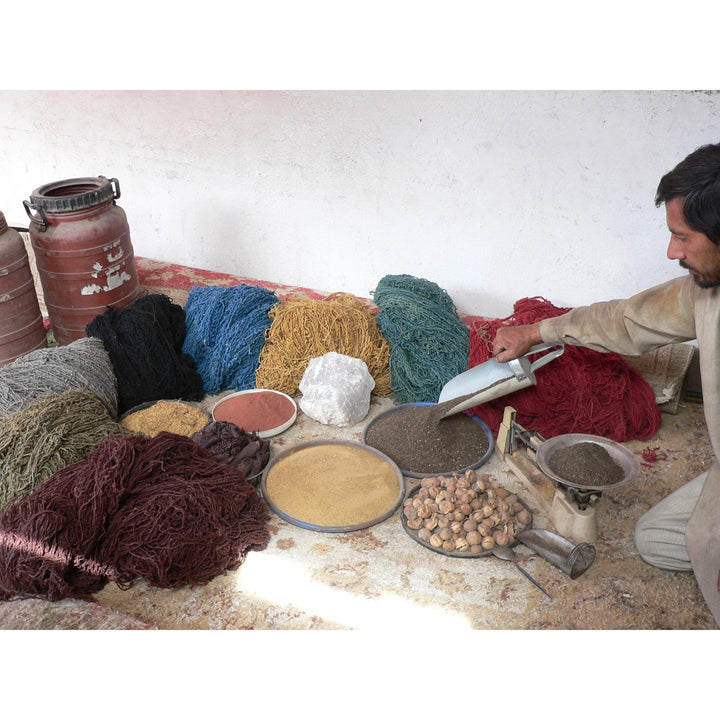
<point x="493" y="195"/>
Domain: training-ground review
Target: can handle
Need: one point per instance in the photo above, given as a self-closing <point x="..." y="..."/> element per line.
<point x="42" y="223"/>
<point x="115" y="185"/>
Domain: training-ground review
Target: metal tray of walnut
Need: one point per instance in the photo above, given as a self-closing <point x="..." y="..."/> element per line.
<point x="464" y="515"/>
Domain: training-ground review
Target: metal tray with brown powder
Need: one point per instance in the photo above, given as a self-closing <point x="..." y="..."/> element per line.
<point x="423" y="444"/>
<point x="332" y="486"/>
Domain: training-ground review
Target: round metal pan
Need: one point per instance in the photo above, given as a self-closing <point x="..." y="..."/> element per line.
<point x="453" y="553"/>
<point x="330" y="528"/>
<point x="621" y="455"/>
<point x="150" y="403"/>
<point x="237" y="417"/>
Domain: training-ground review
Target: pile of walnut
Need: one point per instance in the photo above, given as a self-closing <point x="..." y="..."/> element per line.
<point x="467" y="513"/>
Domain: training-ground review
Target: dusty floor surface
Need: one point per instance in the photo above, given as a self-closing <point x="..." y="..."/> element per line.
<point x="379" y="578"/>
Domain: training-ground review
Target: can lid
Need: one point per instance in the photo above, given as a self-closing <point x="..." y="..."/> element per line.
<point x="73" y="194"/>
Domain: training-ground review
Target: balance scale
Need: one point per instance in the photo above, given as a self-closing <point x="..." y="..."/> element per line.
<point x="570" y="507"/>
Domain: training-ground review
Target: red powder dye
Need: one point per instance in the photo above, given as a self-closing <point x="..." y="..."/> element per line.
<point x="255" y="411"/>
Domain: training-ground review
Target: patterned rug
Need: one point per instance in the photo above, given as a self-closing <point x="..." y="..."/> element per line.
<point x="34" y="614"/>
<point x="379" y="578"/>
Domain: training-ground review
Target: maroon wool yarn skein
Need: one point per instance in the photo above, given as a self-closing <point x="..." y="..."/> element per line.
<point x="199" y="518"/>
<point x="160" y="509"/>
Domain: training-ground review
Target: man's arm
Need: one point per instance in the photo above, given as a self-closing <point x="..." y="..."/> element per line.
<point x="655" y="317"/>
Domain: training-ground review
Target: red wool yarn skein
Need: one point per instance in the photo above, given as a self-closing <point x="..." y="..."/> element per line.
<point x="582" y="391"/>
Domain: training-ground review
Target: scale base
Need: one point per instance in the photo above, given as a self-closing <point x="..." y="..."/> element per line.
<point x="569" y="520"/>
<point x="580" y="525"/>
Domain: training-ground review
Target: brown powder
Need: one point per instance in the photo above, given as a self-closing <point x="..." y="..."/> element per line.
<point x="173" y="416"/>
<point x="333" y="485"/>
<point x="419" y="440"/>
<point x="587" y="464"/>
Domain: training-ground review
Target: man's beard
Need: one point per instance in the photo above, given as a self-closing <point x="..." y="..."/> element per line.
<point x="710" y="283"/>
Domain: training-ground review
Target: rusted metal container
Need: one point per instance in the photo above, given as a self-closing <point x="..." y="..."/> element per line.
<point x="21" y="322"/>
<point x="84" y="256"/>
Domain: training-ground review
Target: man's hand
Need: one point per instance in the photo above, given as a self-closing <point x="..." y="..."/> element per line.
<point x="513" y="341"/>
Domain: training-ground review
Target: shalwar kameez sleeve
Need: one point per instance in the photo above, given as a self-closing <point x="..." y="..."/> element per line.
<point x="661" y="315"/>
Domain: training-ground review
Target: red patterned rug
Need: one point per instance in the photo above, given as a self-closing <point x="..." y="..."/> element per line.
<point x="176" y="281"/>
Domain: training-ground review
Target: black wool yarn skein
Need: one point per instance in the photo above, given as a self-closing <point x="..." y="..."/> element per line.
<point x="144" y="341"/>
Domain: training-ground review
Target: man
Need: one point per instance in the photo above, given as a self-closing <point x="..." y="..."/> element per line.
<point x="681" y="532"/>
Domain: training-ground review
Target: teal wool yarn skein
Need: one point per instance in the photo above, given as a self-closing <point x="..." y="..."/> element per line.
<point x="429" y="343"/>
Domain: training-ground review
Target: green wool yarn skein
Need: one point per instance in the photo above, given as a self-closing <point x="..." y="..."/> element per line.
<point x="429" y="343"/>
<point x="50" y="433"/>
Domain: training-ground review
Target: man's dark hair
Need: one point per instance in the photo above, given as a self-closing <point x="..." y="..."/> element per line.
<point x="697" y="180"/>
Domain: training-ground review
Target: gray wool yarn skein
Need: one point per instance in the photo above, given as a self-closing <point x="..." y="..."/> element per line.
<point x="81" y="365"/>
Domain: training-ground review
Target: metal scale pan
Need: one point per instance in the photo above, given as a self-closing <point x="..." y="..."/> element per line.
<point x="567" y="503"/>
<point x="621" y="455"/>
<point x="571" y="511"/>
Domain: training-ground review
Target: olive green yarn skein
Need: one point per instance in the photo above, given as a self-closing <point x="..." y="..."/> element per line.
<point x="52" y="432"/>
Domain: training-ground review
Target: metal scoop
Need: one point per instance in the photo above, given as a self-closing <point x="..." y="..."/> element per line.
<point x="493" y="379"/>
<point x="507" y="553"/>
<point x="573" y="559"/>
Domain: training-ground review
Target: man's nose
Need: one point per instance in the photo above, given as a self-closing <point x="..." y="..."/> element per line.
<point x="675" y="250"/>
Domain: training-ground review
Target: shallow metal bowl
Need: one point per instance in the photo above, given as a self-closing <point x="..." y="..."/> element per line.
<point x="620" y="454"/>
<point x="332" y="528"/>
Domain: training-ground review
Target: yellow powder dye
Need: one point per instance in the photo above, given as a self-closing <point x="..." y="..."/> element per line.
<point x="333" y="485"/>
<point x="172" y="416"/>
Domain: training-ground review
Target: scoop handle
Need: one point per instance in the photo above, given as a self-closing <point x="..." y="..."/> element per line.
<point x="548" y="357"/>
<point x="532" y="579"/>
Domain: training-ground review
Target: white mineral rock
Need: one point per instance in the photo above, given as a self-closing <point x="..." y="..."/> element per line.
<point x="336" y="389"/>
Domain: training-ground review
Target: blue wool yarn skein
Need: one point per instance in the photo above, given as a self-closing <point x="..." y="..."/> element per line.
<point x="429" y="343"/>
<point x="226" y="332"/>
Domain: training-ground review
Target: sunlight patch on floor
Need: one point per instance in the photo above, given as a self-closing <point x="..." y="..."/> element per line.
<point x="282" y="582"/>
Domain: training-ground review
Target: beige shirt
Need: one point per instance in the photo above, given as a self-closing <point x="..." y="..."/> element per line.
<point x="675" y="311"/>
